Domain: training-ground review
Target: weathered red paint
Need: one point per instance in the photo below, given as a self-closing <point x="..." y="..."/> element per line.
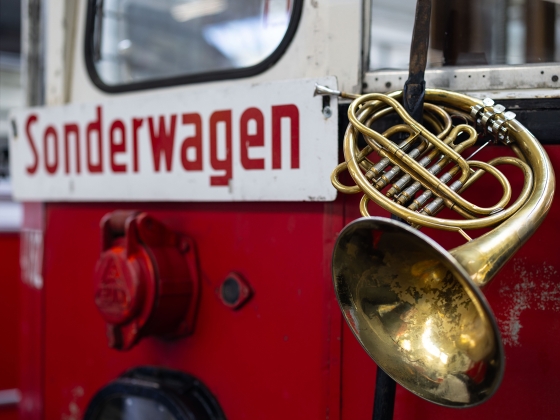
<point x="532" y="373"/>
<point x="162" y="137"/>
<point x="194" y="142"/>
<point x="95" y="127"/>
<point x="32" y="338"/>
<point x="108" y="149"/>
<point x="285" y="353"/>
<point x="275" y="356"/>
<point x="291" y="113"/>
<point x="225" y="164"/>
<point x="10" y="309"/>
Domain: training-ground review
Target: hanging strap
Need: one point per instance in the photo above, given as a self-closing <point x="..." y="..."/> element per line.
<point x="415" y="86"/>
<point x="413" y="100"/>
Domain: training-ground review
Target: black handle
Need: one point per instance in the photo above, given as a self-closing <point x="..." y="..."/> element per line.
<point x="413" y="101"/>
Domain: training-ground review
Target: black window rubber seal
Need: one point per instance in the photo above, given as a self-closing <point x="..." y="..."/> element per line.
<point x="183" y="395"/>
<point x="187" y="79"/>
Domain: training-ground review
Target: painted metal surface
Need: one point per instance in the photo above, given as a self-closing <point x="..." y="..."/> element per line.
<point x="146" y="279"/>
<point x="31" y="343"/>
<point x="525" y="297"/>
<point x="308" y="55"/>
<point x="282" y="349"/>
<point x="284" y="353"/>
<point x="250" y="142"/>
<point x="504" y="82"/>
<point x="275" y="356"/>
<point x="9" y="323"/>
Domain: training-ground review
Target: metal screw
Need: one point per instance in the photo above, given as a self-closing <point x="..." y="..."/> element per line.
<point x="327" y="112"/>
<point x="554" y="78"/>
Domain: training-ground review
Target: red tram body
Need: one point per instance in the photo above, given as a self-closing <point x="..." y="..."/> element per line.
<point x="281" y="349"/>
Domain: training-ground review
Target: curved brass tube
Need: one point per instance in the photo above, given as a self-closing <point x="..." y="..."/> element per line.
<point x="416" y="308"/>
<point x="397" y="157"/>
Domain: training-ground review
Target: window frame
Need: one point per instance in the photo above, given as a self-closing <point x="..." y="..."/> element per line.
<point x="523" y="78"/>
<point x="218" y="75"/>
<point x="500" y="81"/>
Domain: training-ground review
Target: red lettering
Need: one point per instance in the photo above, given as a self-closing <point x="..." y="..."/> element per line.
<point x="225" y="164"/>
<point x="71" y="129"/>
<point x="33" y="168"/>
<point x="251" y="140"/>
<point x="162" y="141"/>
<point x="194" y="142"/>
<point x="136" y="124"/>
<point x="279" y="112"/>
<point x="92" y="127"/>
<point x="50" y="132"/>
<point x="117" y="147"/>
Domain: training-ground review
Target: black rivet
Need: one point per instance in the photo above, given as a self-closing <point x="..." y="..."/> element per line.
<point x="230" y="291"/>
<point x="388" y="85"/>
<point x="554" y="78"/>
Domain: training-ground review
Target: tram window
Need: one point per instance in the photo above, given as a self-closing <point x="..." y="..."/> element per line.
<point x="138" y="41"/>
<point x="468" y="33"/>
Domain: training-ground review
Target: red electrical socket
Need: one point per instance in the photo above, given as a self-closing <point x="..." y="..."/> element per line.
<point x="146" y="279"/>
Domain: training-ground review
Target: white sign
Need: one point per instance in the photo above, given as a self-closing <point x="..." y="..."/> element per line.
<point x="248" y="142"/>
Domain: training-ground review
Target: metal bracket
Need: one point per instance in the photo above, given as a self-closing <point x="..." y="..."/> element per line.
<point x="493" y="119"/>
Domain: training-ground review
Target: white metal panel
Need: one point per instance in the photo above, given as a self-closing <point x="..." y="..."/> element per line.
<point x="138" y="147"/>
<point x="54" y="59"/>
<point x="327" y="43"/>
<point x="500" y="82"/>
<point x="11" y="214"/>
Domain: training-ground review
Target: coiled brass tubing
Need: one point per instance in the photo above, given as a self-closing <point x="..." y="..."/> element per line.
<point x="416" y="162"/>
<point x="416" y="308"/>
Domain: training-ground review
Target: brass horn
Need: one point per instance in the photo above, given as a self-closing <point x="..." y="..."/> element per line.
<point x="416" y="308"/>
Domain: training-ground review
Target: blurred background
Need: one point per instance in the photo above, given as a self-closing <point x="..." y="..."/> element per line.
<point x="11" y="95"/>
<point x="138" y="40"/>
<point x="468" y="33"/>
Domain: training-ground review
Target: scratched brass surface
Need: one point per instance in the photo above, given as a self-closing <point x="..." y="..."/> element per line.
<point x="417" y="313"/>
<point x="416" y="308"/>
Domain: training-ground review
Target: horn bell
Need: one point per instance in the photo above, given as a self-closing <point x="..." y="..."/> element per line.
<point x="417" y="313"/>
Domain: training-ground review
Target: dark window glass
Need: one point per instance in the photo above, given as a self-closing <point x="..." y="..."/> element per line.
<point x="10" y="26"/>
<point x="468" y="33"/>
<point x="11" y="92"/>
<point x="146" y="40"/>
